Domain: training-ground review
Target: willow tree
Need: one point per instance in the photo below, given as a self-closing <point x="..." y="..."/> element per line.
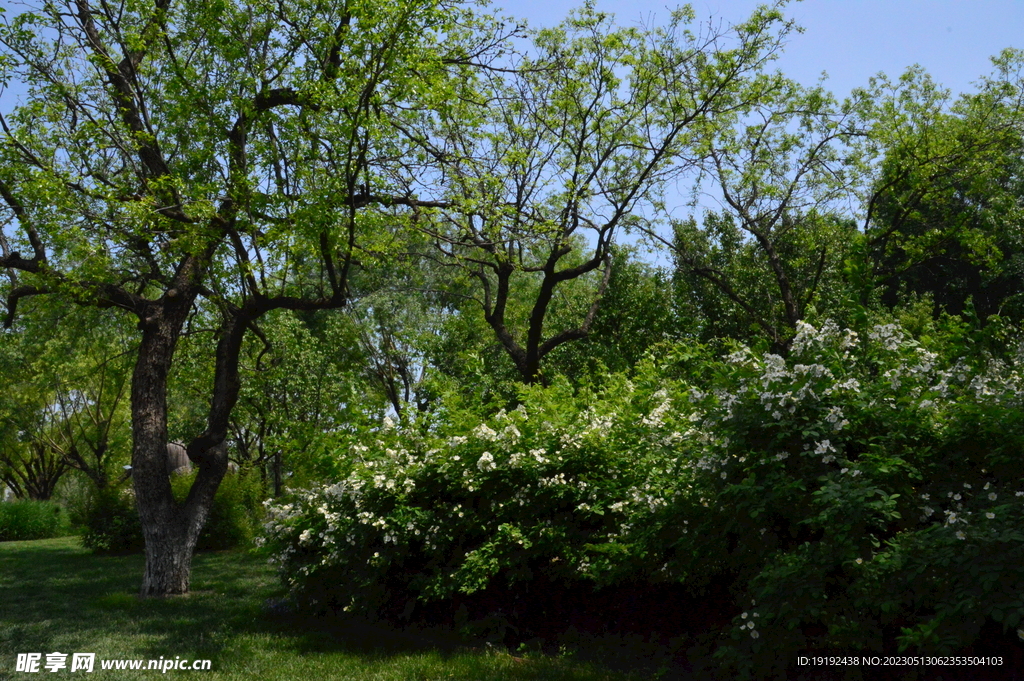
<point x="228" y="156"/>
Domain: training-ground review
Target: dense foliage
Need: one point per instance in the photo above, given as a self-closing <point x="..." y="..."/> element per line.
<point x="111" y="521"/>
<point x="861" y="494"/>
<point x="374" y="256"/>
<point x="25" y="519"/>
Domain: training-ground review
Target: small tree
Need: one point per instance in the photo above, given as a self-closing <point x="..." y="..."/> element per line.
<point x="779" y="170"/>
<point x="944" y="207"/>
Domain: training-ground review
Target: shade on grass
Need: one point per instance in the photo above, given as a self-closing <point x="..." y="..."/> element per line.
<point x="56" y="596"/>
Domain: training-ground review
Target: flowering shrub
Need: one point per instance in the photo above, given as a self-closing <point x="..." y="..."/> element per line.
<point x="862" y="494"/>
<point x="549" y="490"/>
<point x="865" y="482"/>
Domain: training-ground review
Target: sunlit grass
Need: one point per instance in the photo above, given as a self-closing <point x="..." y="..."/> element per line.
<point x="56" y="596"/>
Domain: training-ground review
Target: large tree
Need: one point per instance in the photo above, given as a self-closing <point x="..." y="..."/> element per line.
<point x="174" y="156"/>
<point x="577" y="144"/>
<point x="762" y="261"/>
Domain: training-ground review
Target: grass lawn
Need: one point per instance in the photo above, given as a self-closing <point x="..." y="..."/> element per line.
<point x="57" y="596"/>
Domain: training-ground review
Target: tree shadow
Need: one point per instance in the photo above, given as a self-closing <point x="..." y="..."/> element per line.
<point x="57" y="596"/>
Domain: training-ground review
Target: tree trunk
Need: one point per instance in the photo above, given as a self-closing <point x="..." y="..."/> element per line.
<point x="168" y="560"/>
<point x="278" y="482"/>
<point x="170" y="544"/>
<point x="170" y="529"/>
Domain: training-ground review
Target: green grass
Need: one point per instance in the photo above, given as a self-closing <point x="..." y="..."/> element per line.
<point x="57" y="596"/>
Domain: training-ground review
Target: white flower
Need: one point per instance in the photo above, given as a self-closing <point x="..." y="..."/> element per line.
<point x="486" y="462"/>
<point x="754" y="634"/>
<point x="656" y="417"/>
<point x="992" y="496"/>
<point x="484" y="433"/>
<point x="388" y="423"/>
<point x="990" y="515"/>
<point x="967" y="485"/>
<point x="750" y="625"/>
<point x="859" y="561"/>
<point x="960" y="535"/>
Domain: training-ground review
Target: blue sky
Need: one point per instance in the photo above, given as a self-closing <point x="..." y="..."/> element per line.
<point x="850" y="39"/>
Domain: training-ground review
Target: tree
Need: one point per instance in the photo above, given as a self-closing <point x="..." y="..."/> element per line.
<point x="575" y="143"/>
<point x="779" y="171"/>
<point x="945" y="204"/>
<point x="176" y="156"/>
<point x="637" y="313"/>
<point x="64" y="402"/>
<point x="302" y="384"/>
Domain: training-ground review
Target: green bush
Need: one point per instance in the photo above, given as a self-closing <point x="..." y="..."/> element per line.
<point x="112" y="521"/>
<point x="26" y="519"/>
<point x="867" y="498"/>
<point x="235" y="514"/>
<point x="862" y="494"/>
<point x="460" y="512"/>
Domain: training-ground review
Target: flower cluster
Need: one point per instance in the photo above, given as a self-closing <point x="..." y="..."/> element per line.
<point x="476" y="500"/>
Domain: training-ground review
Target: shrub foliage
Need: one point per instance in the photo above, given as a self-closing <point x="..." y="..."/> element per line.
<point x="112" y="522"/>
<point x="27" y="519"/>
<point x="863" y="493"/>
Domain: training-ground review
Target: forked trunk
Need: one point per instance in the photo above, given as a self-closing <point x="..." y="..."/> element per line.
<point x="171" y="539"/>
<point x="170" y="529"/>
